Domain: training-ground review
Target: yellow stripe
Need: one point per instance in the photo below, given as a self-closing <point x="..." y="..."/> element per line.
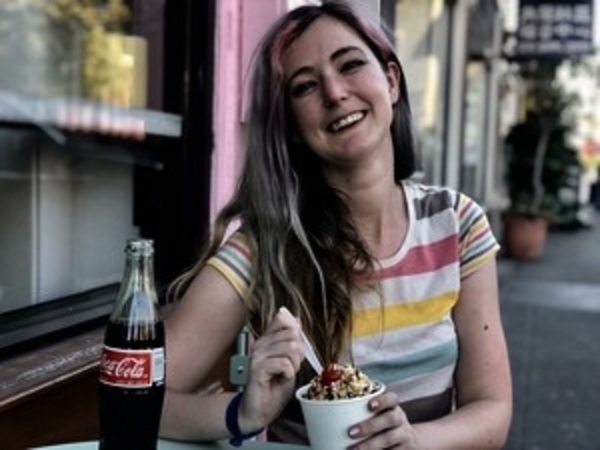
<point x="236" y="281"/>
<point x="370" y="321"/>
<point x="478" y="226"/>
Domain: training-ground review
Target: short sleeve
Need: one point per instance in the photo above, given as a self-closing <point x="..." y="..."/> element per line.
<point x="234" y="261"/>
<point x="477" y="241"/>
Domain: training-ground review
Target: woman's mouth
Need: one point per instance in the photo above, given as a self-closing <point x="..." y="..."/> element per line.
<point x="346" y="121"/>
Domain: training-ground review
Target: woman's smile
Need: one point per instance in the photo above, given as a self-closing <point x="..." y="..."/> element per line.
<point x="346" y="121"/>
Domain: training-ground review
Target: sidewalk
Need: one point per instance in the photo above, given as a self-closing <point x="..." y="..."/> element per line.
<point x="551" y="313"/>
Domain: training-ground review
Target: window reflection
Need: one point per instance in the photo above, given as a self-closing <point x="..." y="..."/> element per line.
<point x="65" y="218"/>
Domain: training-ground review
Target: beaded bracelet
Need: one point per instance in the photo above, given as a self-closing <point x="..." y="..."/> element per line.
<point x="231" y="420"/>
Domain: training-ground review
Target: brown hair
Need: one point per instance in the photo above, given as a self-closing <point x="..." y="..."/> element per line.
<point x="307" y="252"/>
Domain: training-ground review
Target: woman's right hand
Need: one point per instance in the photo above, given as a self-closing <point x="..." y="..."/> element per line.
<point x="275" y="358"/>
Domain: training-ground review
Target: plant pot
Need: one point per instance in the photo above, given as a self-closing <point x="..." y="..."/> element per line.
<point x="525" y="237"/>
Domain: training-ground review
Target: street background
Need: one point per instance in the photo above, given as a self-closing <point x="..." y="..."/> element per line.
<point x="551" y="313"/>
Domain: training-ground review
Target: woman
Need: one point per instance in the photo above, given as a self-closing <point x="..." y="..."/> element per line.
<point x="396" y="277"/>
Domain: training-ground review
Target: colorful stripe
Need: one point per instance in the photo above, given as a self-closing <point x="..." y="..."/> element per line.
<point x="424" y="258"/>
<point x="477" y="241"/>
<point x="233" y="260"/>
<point x="372" y="321"/>
<point x="432" y="204"/>
<point x="413" y="365"/>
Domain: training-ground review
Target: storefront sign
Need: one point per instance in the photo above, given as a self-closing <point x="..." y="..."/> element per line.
<point x="555" y="28"/>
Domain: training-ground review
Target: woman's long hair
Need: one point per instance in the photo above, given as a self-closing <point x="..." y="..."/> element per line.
<point x="307" y="251"/>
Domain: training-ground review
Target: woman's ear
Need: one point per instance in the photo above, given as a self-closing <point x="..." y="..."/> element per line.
<point x="394" y="75"/>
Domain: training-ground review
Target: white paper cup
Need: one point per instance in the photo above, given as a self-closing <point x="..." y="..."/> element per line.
<point x="328" y="421"/>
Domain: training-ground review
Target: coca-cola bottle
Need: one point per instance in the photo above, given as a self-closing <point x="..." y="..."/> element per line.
<point x="132" y="367"/>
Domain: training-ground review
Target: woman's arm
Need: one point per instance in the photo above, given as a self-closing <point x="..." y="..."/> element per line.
<point x="483" y="380"/>
<point x="201" y="328"/>
<point x="483" y="383"/>
<point x="204" y="324"/>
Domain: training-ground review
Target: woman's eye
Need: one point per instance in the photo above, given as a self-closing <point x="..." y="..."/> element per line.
<point x="303" y="88"/>
<point x="352" y="64"/>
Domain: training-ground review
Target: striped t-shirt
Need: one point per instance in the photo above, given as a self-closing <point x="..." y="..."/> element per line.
<point x="410" y="344"/>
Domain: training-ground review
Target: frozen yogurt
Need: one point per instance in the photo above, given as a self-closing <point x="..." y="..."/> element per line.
<point x="338" y="382"/>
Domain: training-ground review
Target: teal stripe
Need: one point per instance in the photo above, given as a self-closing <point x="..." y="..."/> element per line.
<point x="477" y="248"/>
<point x="434" y="358"/>
<point x="471" y="256"/>
<point x="471" y="218"/>
<point x="236" y="260"/>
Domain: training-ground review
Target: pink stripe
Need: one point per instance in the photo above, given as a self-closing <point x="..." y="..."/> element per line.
<point x="479" y="235"/>
<point x="425" y="258"/>
<point x="240" y="247"/>
<point x="465" y="206"/>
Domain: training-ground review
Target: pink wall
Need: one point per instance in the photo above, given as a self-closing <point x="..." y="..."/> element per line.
<point x="240" y="24"/>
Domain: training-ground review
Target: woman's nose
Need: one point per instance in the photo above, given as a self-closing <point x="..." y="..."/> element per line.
<point x="334" y="90"/>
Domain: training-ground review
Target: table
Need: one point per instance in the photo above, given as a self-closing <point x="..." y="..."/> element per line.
<point x="165" y="444"/>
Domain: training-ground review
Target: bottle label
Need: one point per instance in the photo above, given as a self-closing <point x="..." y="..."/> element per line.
<point x="132" y="368"/>
<point x="158" y="359"/>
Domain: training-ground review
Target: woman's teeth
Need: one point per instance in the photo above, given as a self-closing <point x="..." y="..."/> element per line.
<point x="347" y="121"/>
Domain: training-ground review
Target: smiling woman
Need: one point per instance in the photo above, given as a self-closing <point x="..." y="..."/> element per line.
<point x="394" y="277"/>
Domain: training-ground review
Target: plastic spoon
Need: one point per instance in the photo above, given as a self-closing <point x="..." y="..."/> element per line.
<point x="309" y="351"/>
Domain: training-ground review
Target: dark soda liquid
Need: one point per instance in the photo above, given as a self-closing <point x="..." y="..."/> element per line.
<point x="130" y="417"/>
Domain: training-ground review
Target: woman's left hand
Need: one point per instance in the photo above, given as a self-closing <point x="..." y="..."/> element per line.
<point x="388" y="429"/>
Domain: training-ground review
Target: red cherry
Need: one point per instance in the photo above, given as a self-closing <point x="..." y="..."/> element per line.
<point x="331" y="375"/>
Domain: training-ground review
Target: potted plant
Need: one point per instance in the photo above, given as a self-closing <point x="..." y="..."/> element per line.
<point x="540" y="165"/>
<point x="107" y="54"/>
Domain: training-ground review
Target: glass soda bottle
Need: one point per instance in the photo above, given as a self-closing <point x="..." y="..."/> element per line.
<point x="132" y="366"/>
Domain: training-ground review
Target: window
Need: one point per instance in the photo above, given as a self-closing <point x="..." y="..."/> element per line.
<point x="65" y="215"/>
<point x="71" y="193"/>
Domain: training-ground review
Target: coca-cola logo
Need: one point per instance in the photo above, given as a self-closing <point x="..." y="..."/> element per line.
<point x="125" y="368"/>
<point x="130" y="368"/>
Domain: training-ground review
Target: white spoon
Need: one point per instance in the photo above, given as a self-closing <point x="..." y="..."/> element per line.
<point x="309" y="351"/>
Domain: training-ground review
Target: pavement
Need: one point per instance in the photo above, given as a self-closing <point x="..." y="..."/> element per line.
<point x="551" y="314"/>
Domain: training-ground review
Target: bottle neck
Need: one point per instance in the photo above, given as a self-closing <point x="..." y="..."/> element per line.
<point x="139" y="274"/>
<point x="137" y="301"/>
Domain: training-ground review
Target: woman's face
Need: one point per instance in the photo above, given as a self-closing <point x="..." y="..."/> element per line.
<point x="341" y="97"/>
